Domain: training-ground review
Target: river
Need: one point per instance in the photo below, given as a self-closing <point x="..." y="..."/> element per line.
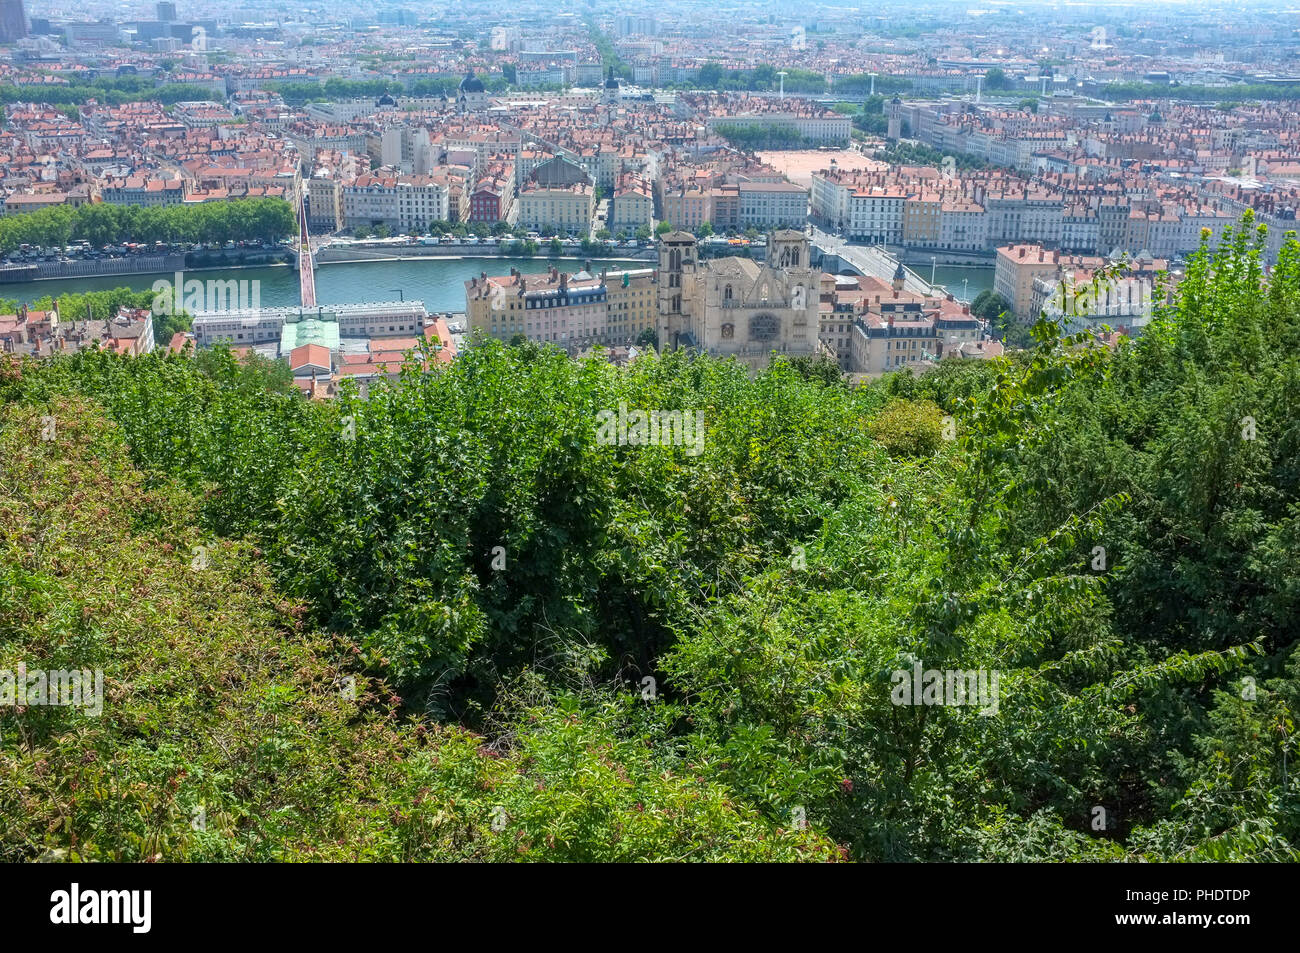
<point x="977" y="278"/>
<point x="438" y="282"/>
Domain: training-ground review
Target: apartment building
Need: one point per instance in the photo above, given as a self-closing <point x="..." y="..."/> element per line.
<point x="1019" y="265"/>
<point x="43" y="333"/>
<point x="568" y="310"/>
<point x="872" y="326"/>
<point x="963" y="226"/>
<point x="421" y="199"/>
<point x="402" y="203"/>
<point x="324" y="202"/>
<point x="493" y="196"/>
<point x="876" y="215"/>
<point x="724" y="205"/>
<point x="829" y="198"/>
<point x="766" y="205"/>
<point x="150" y="190"/>
<point x="899" y="335"/>
<point x="560" y="208"/>
<point x="687" y="208"/>
<point x="632" y="300"/>
<point x="633" y="205"/>
<point x="1077" y="298"/>
<point x="572" y="311"/>
<point x="266" y="326"/>
<point x="922" y="220"/>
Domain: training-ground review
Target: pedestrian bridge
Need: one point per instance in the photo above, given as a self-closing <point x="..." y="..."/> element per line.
<point x="306" y="261"/>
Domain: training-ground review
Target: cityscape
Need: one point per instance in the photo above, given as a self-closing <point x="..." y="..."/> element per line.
<point x="1020" y="163"/>
<point x="635" y="415"/>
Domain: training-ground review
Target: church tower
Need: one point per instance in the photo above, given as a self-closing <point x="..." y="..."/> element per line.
<point x="894" y="115"/>
<point x="788" y="249"/>
<point x="677" y="258"/>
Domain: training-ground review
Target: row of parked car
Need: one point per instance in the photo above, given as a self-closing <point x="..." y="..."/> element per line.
<point x="473" y="240"/>
<point x="84" y="251"/>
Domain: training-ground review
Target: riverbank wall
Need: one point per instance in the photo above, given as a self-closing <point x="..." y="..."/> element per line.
<point x="337" y="253"/>
<point x="139" y="265"/>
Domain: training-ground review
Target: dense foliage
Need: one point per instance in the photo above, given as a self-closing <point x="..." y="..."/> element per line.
<point x="672" y="653"/>
<point x="229" y="732"/>
<point x="112" y="92"/>
<point x="916" y="153"/>
<point x="337" y="88"/>
<point x="102" y="223"/>
<point x="753" y="136"/>
<point x="1191" y="92"/>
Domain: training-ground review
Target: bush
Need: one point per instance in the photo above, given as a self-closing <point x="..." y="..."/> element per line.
<point x="909" y="428"/>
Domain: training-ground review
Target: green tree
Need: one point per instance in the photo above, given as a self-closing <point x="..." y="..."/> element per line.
<point x="996" y="78"/>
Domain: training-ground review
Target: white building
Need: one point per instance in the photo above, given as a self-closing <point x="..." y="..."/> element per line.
<point x="773" y="205"/>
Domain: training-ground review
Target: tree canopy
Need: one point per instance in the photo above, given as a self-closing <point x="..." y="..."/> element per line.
<point x="566" y="648"/>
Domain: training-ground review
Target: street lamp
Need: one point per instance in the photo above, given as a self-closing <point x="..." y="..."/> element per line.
<point x="963" y="289"/>
<point x="933" y="261"/>
<point x="400" y="295"/>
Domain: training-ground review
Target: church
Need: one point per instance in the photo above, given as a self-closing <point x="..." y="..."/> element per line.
<point x="736" y="307"/>
<point x="471" y="95"/>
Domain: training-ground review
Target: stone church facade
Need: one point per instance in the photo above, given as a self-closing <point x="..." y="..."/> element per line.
<point x="737" y="307"/>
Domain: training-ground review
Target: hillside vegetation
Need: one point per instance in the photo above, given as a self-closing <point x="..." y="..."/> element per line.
<point x="568" y="650"/>
<point x="230" y="731"/>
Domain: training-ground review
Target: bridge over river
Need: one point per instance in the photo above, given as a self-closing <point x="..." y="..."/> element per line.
<point x="867" y="260"/>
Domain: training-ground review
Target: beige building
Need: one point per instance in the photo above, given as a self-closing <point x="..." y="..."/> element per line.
<point x="554" y="307"/>
<point x="872" y="326"/>
<point x="737" y="307"/>
<point x="686" y="208"/>
<point x="324" y="202"/>
<point x="557" y="196"/>
<point x="566" y="208"/>
<point x="403" y="203"/>
<point x="633" y="303"/>
<point x="421" y="199"/>
<point x="572" y="311"/>
<point x="922" y="216"/>
<point x="1019" y="265"/>
<point x="633" y="205"/>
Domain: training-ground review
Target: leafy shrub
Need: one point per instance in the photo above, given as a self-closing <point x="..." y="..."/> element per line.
<point x="909" y="428"/>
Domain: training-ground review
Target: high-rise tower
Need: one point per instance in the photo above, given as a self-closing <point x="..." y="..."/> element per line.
<point x="13" y="21"/>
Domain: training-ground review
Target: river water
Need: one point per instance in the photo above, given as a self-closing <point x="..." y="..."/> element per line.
<point x="976" y="278"/>
<point x="438" y="282"/>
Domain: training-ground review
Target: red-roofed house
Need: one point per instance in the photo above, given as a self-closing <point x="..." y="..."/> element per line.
<point x="310" y="360"/>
